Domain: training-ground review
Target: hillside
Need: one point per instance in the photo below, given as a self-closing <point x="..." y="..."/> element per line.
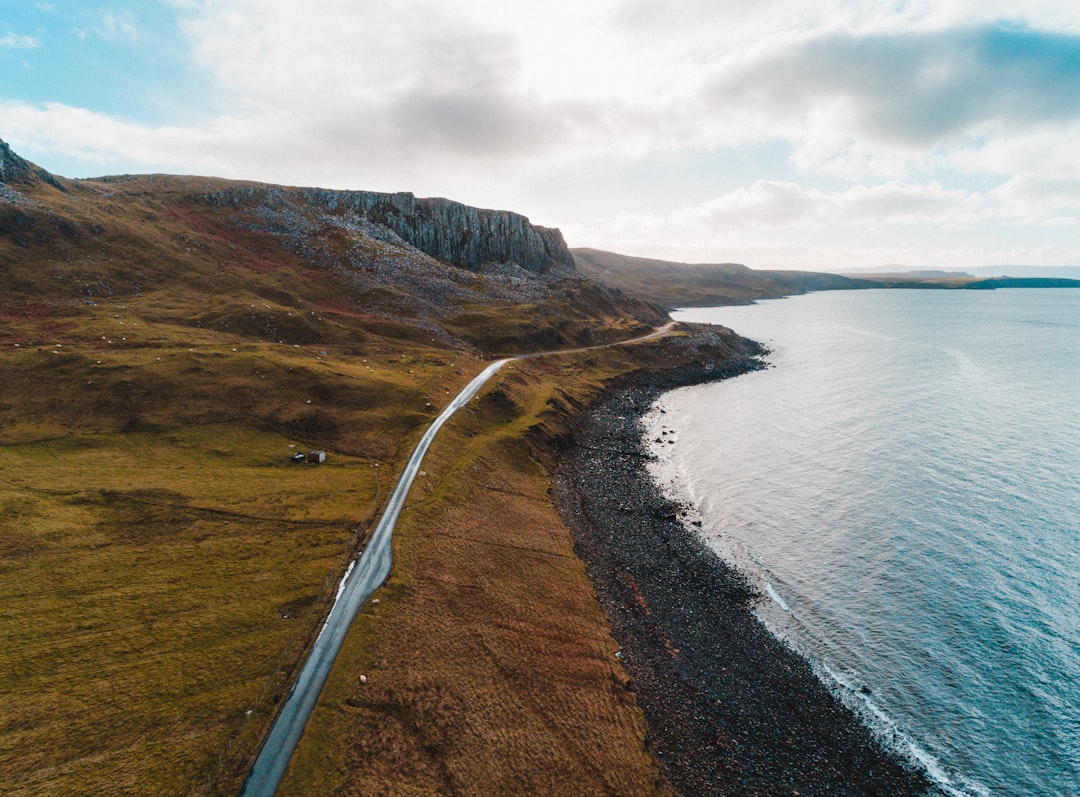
<point x="674" y="285"/>
<point x="702" y="284"/>
<point x="429" y="263"/>
<point x="167" y="345"/>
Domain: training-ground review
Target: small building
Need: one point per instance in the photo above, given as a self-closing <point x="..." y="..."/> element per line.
<point x="316" y="457"/>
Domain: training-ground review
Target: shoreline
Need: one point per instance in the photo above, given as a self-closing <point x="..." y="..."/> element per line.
<point x="730" y="709"/>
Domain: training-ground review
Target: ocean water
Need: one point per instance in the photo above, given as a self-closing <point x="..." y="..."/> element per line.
<point x="904" y="488"/>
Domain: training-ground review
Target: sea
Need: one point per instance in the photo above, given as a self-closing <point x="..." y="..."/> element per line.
<point x="902" y="484"/>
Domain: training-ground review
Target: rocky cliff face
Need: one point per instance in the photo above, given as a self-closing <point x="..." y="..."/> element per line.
<point x="457" y="234"/>
<point x="463" y="236"/>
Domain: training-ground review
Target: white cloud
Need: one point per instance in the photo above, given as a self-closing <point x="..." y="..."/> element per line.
<point x="110" y="26"/>
<point x="906" y="91"/>
<point x="934" y="115"/>
<point x="773" y="205"/>
<point x="424" y="85"/>
<point x="647" y="235"/>
<point x="116" y="25"/>
<point x="773" y="224"/>
<point x="482" y="80"/>
<point x="98" y="138"/>
<point x="19" y="42"/>
<point x="1053" y="151"/>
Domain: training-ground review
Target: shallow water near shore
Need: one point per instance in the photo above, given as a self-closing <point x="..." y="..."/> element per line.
<point x="904" y="488"/>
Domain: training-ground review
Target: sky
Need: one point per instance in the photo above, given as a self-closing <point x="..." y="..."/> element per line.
<point x="829" y="135"/>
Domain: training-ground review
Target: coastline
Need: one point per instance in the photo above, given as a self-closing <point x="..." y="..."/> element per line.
<point x="730" y="709"/>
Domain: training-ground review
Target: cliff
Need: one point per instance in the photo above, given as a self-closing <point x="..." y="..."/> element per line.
<point x="457" y="234"/>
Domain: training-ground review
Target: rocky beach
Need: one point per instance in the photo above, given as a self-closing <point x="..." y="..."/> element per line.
<point x="730" y="709"/>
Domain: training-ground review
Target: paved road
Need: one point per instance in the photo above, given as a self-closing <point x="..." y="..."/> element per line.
<point x="365" y="575"/>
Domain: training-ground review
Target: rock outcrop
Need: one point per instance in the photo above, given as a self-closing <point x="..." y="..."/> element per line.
<point x="458" y="234"/>
<point x="13" y="169"/>
<point x="18" y="171"/>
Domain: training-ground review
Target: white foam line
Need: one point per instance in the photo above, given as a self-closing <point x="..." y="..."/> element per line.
<point x="769" y="588"/>
<point x="904" y="743"/>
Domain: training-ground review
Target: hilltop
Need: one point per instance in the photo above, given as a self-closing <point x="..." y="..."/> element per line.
<point x="425" y="263"/>
<point x="168" y="345"/>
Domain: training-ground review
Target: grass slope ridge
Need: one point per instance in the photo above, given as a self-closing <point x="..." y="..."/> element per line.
<point x="165" y="565"/>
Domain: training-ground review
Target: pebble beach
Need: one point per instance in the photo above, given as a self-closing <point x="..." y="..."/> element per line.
<point x="730" y="709"/>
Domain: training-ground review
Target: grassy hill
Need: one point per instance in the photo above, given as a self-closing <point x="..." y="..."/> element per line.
<point x="702" y="284"/>
<point x="167" y="344"/>
<point x="674" y="285"/>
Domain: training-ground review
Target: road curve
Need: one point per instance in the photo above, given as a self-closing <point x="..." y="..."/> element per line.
<point x="365" y="575"/>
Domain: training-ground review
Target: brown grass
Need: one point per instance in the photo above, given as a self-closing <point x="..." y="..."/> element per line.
<point x="163" y="563"/>
<point x="489" y="666"/>
<point x="148" y="609"/>
<point x="163" y="566"/>
<point x="702" y="284"/>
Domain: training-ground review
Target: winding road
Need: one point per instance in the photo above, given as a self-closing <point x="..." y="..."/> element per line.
<point x="365" y="575"/>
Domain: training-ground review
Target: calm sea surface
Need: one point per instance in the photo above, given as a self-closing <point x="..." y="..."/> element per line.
<point x="904" y="487"/>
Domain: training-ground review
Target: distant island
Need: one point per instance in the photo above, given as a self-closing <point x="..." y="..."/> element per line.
<point x="1026" y="272"/>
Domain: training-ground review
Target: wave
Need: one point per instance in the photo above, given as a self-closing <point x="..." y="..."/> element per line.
<point x="858" y="699"/>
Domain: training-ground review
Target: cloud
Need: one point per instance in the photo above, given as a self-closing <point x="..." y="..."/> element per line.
<point x="770" y="205"/>
<point x="97" y="138"/>
<point x="459" y="97"/>
<point x="770" y="224"/>
<point x="116" y="25"/>
<point x="19" y="42"/>
<point x="411" y="77"/>
<point x="1053" y="151"/>
<point x="933" y="115"/>
<point x="108" y="25"/>
<point x="677" y="239"/>
<point x="855" y="94"/>
<point x="911" y="89"/>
